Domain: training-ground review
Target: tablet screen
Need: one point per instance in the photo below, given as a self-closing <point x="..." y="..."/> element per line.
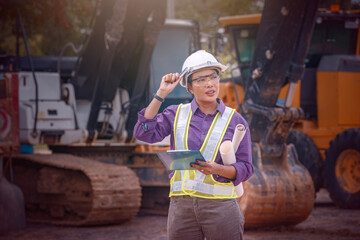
<point x="180" y="159"/>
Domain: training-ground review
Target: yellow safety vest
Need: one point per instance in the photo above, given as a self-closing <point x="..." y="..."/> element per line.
<point x="193" y="182"/>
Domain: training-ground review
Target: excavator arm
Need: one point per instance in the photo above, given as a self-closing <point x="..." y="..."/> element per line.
<point x="118" y="55"/>
<point x="281" y="190"/>
<point x="282" y="42"/>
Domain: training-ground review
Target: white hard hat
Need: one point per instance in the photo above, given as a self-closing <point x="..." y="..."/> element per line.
<point x="197" y="61"/>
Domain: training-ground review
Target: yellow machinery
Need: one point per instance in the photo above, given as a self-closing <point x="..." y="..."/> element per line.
<point x="327" y="138"/>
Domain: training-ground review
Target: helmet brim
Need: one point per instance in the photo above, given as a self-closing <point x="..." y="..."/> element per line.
<point x="216" y="66"/>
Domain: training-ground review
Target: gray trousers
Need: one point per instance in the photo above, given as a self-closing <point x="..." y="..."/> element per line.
<point x="198" y="218"/>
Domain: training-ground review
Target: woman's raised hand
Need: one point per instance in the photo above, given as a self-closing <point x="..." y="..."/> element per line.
<point x="168" y="83"/>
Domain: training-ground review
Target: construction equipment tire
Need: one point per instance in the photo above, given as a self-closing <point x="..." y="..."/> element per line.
<point x="308" y="155"/>
<point x="342" y="169"/>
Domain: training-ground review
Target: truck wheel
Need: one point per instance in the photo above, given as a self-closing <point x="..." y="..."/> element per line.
<point x="342" y="169"/>
<point x="309" y="156"/>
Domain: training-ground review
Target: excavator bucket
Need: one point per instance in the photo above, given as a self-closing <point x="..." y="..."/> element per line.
<point x="281" y="190"/>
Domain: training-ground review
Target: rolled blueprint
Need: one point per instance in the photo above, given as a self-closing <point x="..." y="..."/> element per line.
<point x="228" y="156"/>
<point x="238" y="135"/>
<point x="227" y="152"/>
<point x="228" y="149"/>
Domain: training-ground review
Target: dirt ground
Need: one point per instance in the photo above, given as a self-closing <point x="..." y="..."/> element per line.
<point x="325" y="222"/>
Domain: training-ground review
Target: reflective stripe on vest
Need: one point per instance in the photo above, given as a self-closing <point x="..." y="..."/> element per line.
<point x="193" y="182"/>
<point x="182" y="114"/>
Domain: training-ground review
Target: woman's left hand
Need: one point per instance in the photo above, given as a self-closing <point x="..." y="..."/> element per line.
<point x="209" y="167"/>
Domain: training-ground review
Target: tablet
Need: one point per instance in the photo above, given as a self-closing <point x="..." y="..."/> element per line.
<point x="180" y="159"/>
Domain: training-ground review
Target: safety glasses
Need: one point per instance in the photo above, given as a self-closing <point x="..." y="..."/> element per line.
<point x="203" y="80"/>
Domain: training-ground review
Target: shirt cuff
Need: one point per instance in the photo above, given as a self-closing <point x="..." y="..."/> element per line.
<point x="239" y="174"/>
<point x="146" y="123"/>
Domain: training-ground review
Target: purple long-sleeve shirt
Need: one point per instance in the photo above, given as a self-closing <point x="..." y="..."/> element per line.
<point x="156" y="129"/>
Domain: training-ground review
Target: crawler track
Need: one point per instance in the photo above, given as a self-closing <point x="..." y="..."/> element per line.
<point x="68" y="190"/>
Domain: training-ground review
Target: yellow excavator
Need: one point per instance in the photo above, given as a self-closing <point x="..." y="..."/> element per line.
<point x="327" y="136"/>
<point x="281" y="191"/>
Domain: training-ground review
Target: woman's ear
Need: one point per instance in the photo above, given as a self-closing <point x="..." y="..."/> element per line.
<point x="190" y="89"/>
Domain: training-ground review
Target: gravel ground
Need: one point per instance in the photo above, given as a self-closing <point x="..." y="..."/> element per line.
<point x="325" y="222"/>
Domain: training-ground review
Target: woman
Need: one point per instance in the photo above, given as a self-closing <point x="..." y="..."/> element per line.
<point x="202" y="201"/>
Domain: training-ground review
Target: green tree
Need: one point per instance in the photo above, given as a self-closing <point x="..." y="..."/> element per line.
<point x="49" y="24"/>
<point x="207" y="13"/>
